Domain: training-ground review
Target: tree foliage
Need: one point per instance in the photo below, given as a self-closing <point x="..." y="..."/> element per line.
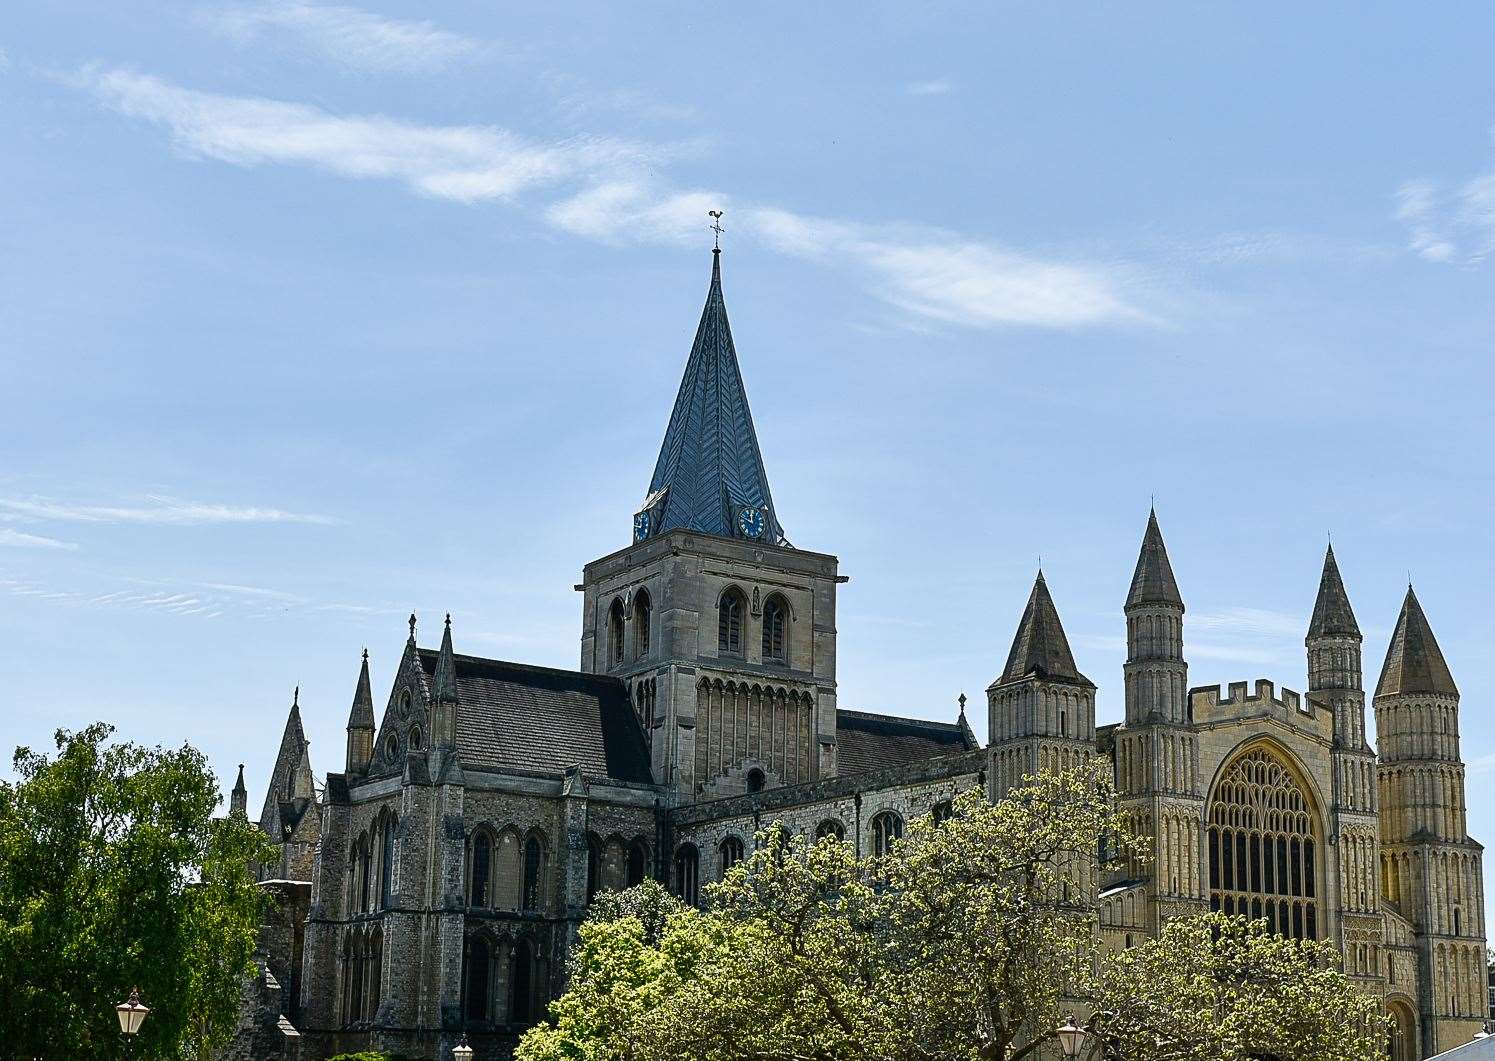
<point x="113" y="873"/>
<point x="970" y="940"/>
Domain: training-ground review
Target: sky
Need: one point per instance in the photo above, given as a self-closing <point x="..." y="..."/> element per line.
<point x="312" y="315"/>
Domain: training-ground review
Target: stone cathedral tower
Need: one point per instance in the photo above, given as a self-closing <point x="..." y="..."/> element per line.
<point x="1431" y="868"/>
<point x="725" y="633"/>
<point x="1157" y="750"/>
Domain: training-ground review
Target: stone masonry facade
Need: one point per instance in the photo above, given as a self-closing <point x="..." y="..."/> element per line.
<point x="433" y="888"/>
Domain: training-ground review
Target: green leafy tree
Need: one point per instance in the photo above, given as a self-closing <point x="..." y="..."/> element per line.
<point x="970" y="940"/>
<point x="1218" y="988"/>
<point x="114" y="873"/>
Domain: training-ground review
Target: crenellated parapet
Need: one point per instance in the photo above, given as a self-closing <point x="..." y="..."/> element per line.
<point x="1262" y="699"/>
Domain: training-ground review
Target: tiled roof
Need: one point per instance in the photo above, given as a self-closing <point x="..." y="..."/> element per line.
<point x="1152" y="581"/>
<point x="1414" y="662"/>
<point x="867" y="742"/>
<point x="515" y="716"/>
<point x="709" y="463"/>
<point x="1040" y="649"/>
<point x="1332" y="614"/>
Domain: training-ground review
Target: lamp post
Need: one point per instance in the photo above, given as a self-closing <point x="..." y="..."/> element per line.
<point x="1071" y="1037"/>
<point x="131" y="1014"/>
<point x="462" y="1052"/>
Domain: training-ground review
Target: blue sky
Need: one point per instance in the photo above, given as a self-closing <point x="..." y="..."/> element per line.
<point x="312" y="315"/>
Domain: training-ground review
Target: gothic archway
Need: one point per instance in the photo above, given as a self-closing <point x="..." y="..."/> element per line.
<point x="1265" y="843"/>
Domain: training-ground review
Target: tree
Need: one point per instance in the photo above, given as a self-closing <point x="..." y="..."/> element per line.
<point x="113" y="873"/>
<point x="1218" y="988"/>
<point x="971" y="939"/>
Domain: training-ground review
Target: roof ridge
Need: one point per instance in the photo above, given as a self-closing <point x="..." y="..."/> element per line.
<point x="462" y="657"/>
<point x="882" y="717"/>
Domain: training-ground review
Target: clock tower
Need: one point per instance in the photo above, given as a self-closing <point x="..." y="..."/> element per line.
<point x="725" y="633"/>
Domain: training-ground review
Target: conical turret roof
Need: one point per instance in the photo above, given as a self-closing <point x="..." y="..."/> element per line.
<point x="1332" y="614"/>
<point x="709" y="465"/>
<point x="1040" y="649"/>
<point x="1414" y="662"/>
<point x="1152" y="581"/>
<point x="361" y="716"/>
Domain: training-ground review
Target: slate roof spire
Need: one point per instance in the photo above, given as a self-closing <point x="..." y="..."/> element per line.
<point x="1040" y="648"/>
<point x="1332" y="614"/>
<point x="446" y="668"/>
<point x="1414" y="662"/>
<point x="238" y="799"/>
<point x="361" y="716"/>
<point x="710" y="468"/>
<point x="1152" y="581"/>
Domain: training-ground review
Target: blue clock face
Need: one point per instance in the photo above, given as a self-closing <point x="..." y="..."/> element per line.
<point x="640" y="526"/>
<point x="751" y="522"/>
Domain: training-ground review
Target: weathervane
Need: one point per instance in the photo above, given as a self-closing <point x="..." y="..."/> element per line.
<point x="716" y="227"/>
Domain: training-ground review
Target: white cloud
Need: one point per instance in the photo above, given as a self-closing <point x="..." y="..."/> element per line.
<point x="465" y="163"/>
<point x="940" y="86"/>
<point x="599" y="191"/>
<point x="1251" y="621"/>
<point x="18" y="540"/>
<point x="1417" y="207"/>
<point x="347" y="35"/>
<point x="158" y="510"/>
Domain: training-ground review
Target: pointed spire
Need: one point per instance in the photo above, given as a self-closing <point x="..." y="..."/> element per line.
<point x="1152" y="582"/>
<point x="412" y="628"/>
<point x="238" y="799"/>
<point x="293" y="758"/>
<point x="1414" y="662"/>
<point x="361" y="716"/>
<point x="1332" y="614"/>
<point x="446" y="667"/>
<point x="1040" y="648"/>
<point x="710" y="468"/>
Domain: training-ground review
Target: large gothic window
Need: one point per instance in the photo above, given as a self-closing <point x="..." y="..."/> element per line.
<point x="521" y="984"/>
<point x="481" y="872"/>
<point x="615" y="634"/>
<point x="687" y="874"/>
<point x="775" y="645"/>
<point x="830" y="827"/>
<point x="475" y="983"/>
<point x="643" y="611"/>
<point x="1263" y="857"/>
<point x="534" y="872"/>
<point x="729" y="623"/>
<point x="386" y="861"/>
<point x="638" y="863"/>
<point x="886" y="828"/>
<point x="731" y="853"/>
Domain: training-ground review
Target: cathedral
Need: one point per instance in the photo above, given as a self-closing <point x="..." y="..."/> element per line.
<point x="431" y="889"/>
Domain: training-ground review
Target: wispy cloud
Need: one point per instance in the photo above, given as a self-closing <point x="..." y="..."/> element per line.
<point x="1417" y="207"/>
<point x="464" y="163"/>
<point x="1449" y="222"/>
<point x="940" y="86"/>
<point x="157" y="510"/>
<point x="16" y="539"/>
<point x="598" y="188"/>
<point x="346" y="35"/>
<point x="1257" y="622"/>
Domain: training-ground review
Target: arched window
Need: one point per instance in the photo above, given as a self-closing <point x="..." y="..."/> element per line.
<point x="348" y="979"/>
<point x="475" y="980"/>
<point x="405" y="703"/>
<point x="615" y="633"/>
<point x="521" y="984"/>
<point x="594" y="866"/>
<point x="731" y="852"/>
<point x="415" y="739"/>
<point x="365" y="870"/>
<point x="376" y="975"/>
<point x="729" y="622"/>
<point x="638" y="863"/>
<point x="534" y="872"/>
<point x="1262" y="853"/>
<point x="942" y="812"/>
<point x="355" y="1010"/>
<point x="643" y="612"/>
<point x="386" y="861"/>
<point x="508" y="870"/>
<point x="482" y="870"/>
<point x="886" y="828"/>
<point x="830" y="827"/>
<point x="756" y="780"/>
<point x="687" y="874"/>
<point x="775" y="640"/>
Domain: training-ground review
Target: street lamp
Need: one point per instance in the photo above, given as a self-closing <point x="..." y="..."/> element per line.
<point x="131" y="1014"/>
<point x="1071" y="1037"/>
<point x="462" y="1052"/>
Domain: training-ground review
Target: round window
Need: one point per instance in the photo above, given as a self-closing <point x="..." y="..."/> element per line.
<point x="415" y="738"/>
<point x="391" y="747"/>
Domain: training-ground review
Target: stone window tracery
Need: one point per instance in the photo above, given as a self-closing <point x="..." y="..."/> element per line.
<point x="729" y="622"/>
<point x="1263" y="854"/>
<point x="886" y="828"/>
